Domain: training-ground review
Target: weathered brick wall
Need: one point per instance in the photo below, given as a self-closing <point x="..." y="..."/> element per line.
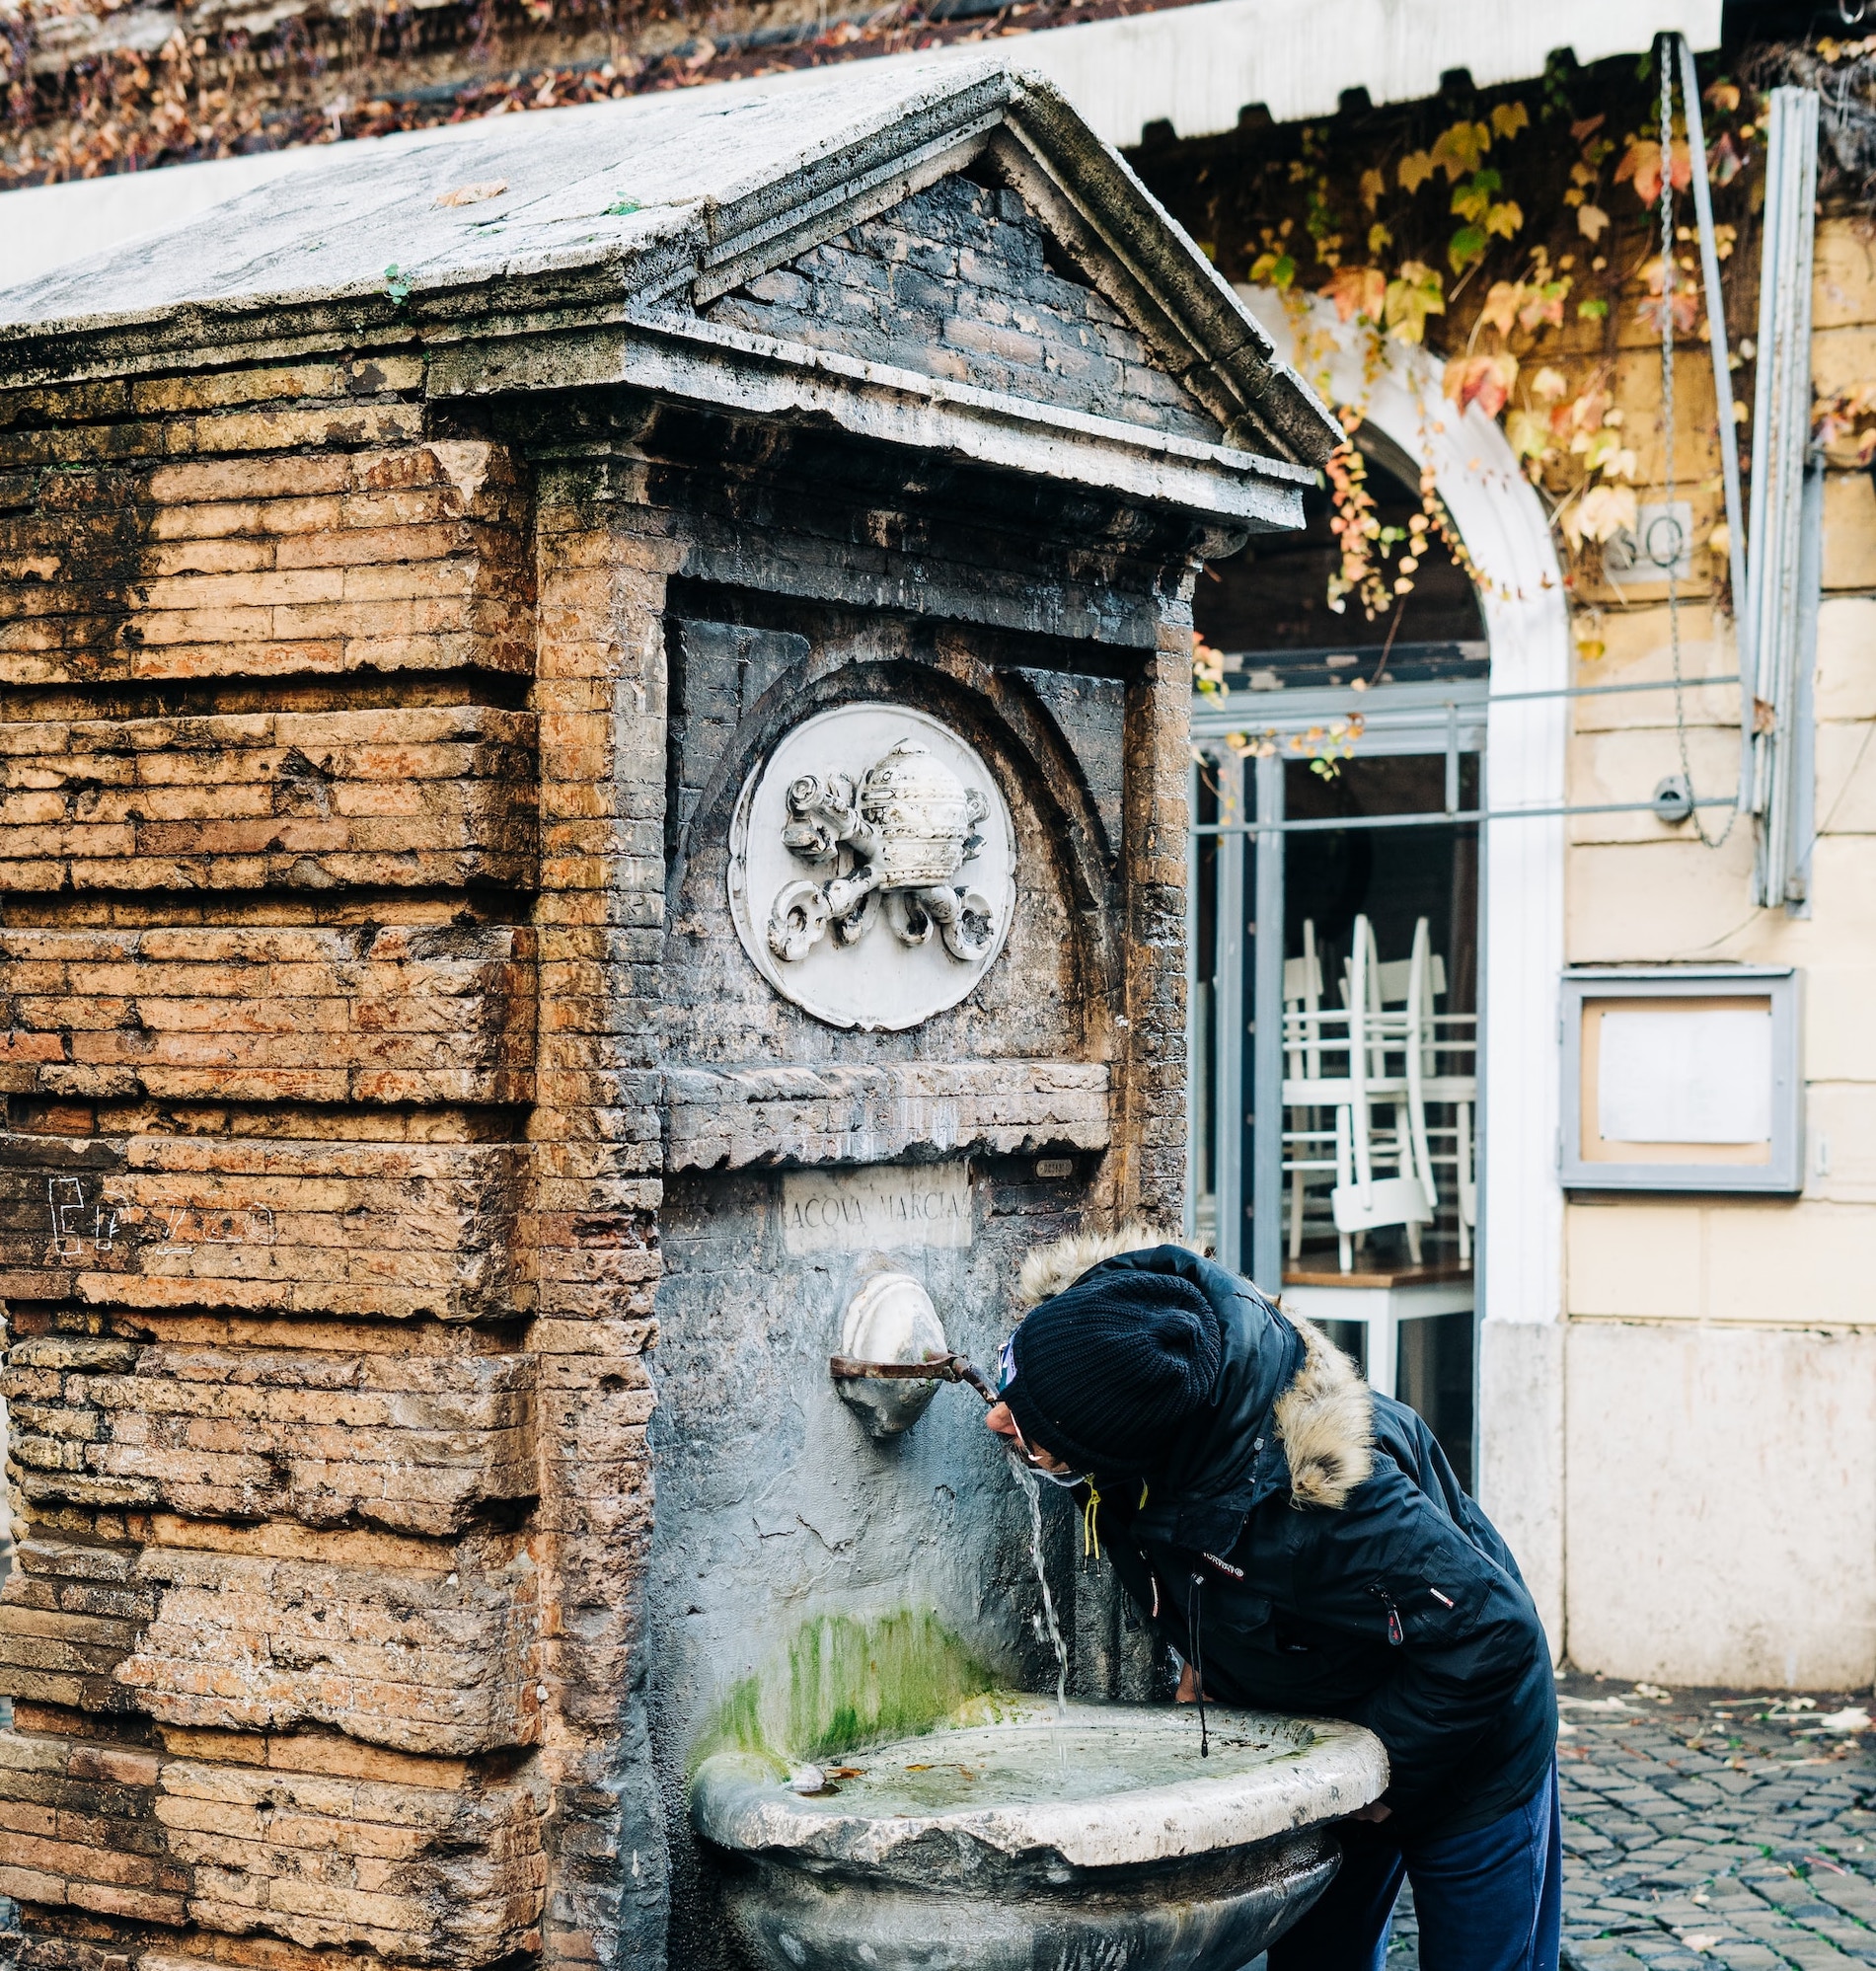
<point x="601" y="567"/>
<point x="268" y="848"/>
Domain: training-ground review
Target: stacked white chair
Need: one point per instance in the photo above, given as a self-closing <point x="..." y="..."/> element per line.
<point x="1365" y="1089"/>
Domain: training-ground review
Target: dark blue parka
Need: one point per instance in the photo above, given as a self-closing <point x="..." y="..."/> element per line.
<point x="1309" y="1541"/>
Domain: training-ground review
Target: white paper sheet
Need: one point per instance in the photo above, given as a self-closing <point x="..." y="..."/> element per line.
<point x="1696" y="1077"/>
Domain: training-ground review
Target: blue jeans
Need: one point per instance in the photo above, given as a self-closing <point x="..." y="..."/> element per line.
<point x="1492" y="1900"/>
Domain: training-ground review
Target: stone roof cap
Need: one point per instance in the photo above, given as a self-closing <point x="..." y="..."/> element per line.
<point x="634" y="211"/>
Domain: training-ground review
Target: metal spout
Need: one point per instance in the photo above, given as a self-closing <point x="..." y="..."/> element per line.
<point x="950" y="1368"/>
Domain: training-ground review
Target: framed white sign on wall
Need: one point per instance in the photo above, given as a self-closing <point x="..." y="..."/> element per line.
<point x="1681" y="1078"/>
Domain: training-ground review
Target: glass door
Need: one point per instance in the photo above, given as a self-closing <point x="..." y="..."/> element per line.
<point x="1334" y="1035"/>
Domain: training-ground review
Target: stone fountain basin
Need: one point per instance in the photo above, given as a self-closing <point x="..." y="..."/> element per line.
<point x="1014" y="1839"/>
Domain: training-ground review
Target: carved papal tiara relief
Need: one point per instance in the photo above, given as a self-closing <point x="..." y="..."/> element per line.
<point x="899" y="838"/>
<point x="864" y="813"/>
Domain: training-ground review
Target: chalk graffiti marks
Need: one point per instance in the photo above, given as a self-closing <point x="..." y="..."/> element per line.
<point x="100" y="1220"/>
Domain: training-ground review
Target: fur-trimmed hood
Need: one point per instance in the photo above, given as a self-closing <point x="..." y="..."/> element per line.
<point x="1324" y="1410"/>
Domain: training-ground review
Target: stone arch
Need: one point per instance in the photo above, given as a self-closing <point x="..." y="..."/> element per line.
<point x="1527" y="631"/>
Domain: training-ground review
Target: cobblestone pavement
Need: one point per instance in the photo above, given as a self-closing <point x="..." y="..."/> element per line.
<point x="1706" y="1829"/>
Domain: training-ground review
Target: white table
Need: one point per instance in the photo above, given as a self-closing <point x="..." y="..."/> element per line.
<point x="1380" y="1302"/>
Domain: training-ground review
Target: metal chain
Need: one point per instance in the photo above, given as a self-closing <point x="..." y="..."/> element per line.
<point x="1664" y="52"/>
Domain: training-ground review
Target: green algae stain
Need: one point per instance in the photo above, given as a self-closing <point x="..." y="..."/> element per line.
<point x="841" y="1684"/>
<point x="854" y="1683"/>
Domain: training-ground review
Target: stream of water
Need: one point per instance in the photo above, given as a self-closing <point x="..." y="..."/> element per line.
<point x="1032" y="1490"/>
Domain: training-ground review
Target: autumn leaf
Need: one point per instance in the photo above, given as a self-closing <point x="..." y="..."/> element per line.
<point x="1723" y="96"/>
<point x="1472" y="199"/>
<point x="1601" y="514"/>
<point x="1415" y="169"/>
<point x="1358" y="290"/>
<point x="1373" y="183"/>
<point x="1681" y="303"/>
<point x="1581" y="133"/>
<point x="1543" y="304"/>
<point x="1505" y="219"/>
<point x="1641" y="162"/>
<point x="474" y="194"/>
<point x="1379" y="238"/>
<point x="1465" y="247"/>
<point x="1502" y="304"/>
<point x="1529" y="432"/>
<point x="1549" y="384"/>
<point x="1581" y="414"/>
<point x="1485" y="380"/>
<point x="1461" y="149"/>
<point x="1591" y="221"/>
<point x="1414" y="293"/>
<point x="1279" y="269"/>
<point x="1594" y="310"/>
<point x="1508" y="119"/>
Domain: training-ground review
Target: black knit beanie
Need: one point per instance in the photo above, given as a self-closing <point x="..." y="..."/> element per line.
<point x="1111" y="1369"/>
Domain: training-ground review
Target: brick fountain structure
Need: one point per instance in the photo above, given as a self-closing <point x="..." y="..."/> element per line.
<point x="406" y="579"/>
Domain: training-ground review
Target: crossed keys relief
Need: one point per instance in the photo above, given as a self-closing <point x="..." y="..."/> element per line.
<point x="891" y="846"/>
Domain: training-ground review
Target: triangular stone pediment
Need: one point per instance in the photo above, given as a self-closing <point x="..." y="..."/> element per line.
<point x="964" y="281"/>
<point x="759" y="244"/>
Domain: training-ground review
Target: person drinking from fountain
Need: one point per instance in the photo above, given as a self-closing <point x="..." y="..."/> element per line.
<point x="1304" y="1545"/>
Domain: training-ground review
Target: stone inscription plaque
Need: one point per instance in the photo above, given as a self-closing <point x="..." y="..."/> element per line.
<point x="885" y="1208"/>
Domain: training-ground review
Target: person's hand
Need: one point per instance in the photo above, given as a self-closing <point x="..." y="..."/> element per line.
<point x="1188" y="1693"/>
<point x="1375" y="1810"/>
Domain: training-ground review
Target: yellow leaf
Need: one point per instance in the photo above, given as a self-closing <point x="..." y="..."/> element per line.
<point x="1415" y="169"/>
<point x="1529" y="432"/>
<point x="1378" y="237"/>
<point x="1508" y="119"/>
<point x="1505" y="219"/>
<point x="1416" y="292"/>
<point x="1721" y="541"/>
<point x="1459" y="150"/>
<point x="1548" y="384"/>
<point x="1573" y="196"/>
<point x="1591" y="220"/>
<point x="1501" y="305"/>
<point x="1470" y="202"/>
<point x="1724" y="96"/>
<point x="1373" y="183"/>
